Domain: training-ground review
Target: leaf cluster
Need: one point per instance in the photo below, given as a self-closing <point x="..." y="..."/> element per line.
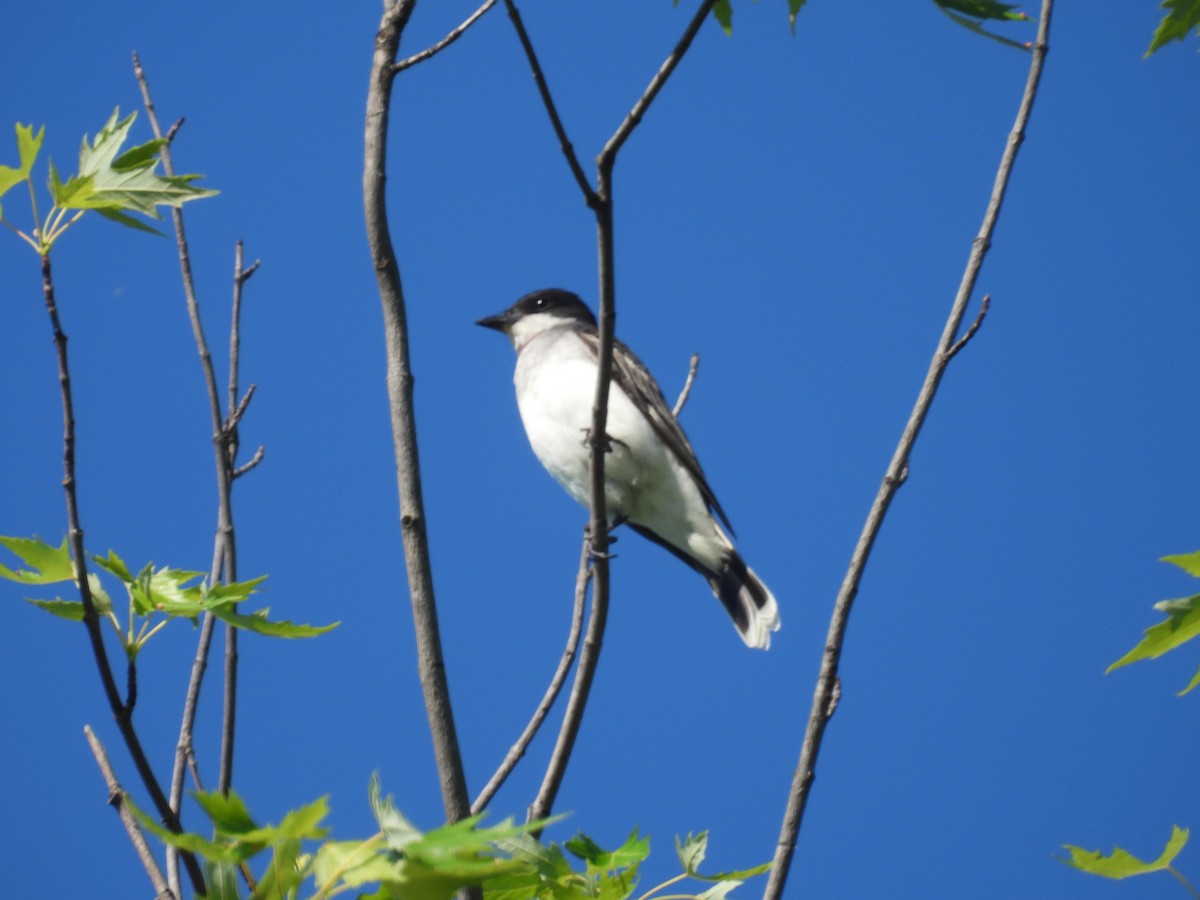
<point x="155" y="596"/>
<point x="111" y="182"/>
<point x="401" y="862"/>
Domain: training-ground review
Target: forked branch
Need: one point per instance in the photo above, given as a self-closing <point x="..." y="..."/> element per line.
<point x="596" y="541"/>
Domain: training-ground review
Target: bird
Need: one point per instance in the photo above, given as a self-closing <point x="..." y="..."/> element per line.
<point x="653" y="481"/>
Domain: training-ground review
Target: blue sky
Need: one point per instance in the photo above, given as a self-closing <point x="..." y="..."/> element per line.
<point x="798" y="211"/>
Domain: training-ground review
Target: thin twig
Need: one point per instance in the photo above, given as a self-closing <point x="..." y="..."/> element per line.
<point x="970" y="332"/>
<point x="609" y="153"/>
<point x="254" y="461"/>
<point x="597" y="540"/>
<point x="539" y="79"/>
<point x="560" y="676"/>
<point x="444" y="42"/>
<point x="430" y="663"/>
<point x="225" y="547"/>
<point x="827" y="689"/>
<point x="231" y="423"/>
<point x="121" y="710"/>
<point x="543" y="803"/>
<point x="116" y="799"/>
<point x="687" y="385"/>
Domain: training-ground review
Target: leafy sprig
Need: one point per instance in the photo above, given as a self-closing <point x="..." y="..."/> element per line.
<point x="155" y="596"/>
<point x="401" y="862"/>
<point x="111" y="182"/>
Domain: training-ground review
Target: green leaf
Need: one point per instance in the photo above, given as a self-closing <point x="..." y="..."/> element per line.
<point x="28" y="145"/>
<point x="166" y="590"/>
<point x="47" y="565"/>
<point x="691" y="853"/>
<point x="117" y="182"/>
<point x="228" y="813"/>
<point x="1182" y="624"/>
<point x="227" y="594"/>
<point x="1122" y="864"/>
<point x="970" y="14"/>
<point x="719" y="891"/>
<point x="397" y="830"/>
<point x="793" y="11"/>
<point x="71" y="610"/>
<point x="288" y="868"/>
<point x="984" y="9"/>
<point x="1191" y="684"/>
<point x="632" y="852"/>
<point x="1189" y="562"/>
<point x="723" y="13"/>
<point x="128" y="221"/>
<point x="193" y="843"/>
<point x="114" y="565"/>
<point x="221" y="879"/>
<point x="353" y="863"/>
<point x="1182" y="16"/>
<point x="259" y="624"/>
<point x="72" y="194"/>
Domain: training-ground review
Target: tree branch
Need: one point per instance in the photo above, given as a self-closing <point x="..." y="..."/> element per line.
<point x="431" y="666"/>
<point x="687" y="385"/>
<point x="445" y="42"/>
<point x="116" y="799"/>
<point x="828" y="685"/>
<point x="539" y="79"/>
<point x="225" y="442"/>
<point x="597" y="533"/>
<point x="634" y="118"/>
<point x="560" y="676"/>
<point x="122" y="712"/>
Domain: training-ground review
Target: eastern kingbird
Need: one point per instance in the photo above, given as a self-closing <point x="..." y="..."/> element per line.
<point x="653" y="480"/>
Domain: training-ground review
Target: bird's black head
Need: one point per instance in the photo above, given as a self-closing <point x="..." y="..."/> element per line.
<point x="554" y="302"/>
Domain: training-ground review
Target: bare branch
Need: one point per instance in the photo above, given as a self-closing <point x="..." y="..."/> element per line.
<point x="687" y="385"/>
<point x="539" y="79"/>
<point x="582" y="686"/>
<point x="596" y="542"/>
<point x="224" y="449"/>
<point x="962" y="341"/>
<point x="828" y="685"/>
<point x="236" y="417"/>
<point x="609" y="153"/>
<point x="444" y="42"/>
<point x="122" y="711"/>
<point x="560" y="676"/>
<point x="430" y="663"/>
<point x="254" y="461"/>
<point x="116" y="799"/>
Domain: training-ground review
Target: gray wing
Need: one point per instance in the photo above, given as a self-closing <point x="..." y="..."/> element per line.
<point x="632" y="376"/>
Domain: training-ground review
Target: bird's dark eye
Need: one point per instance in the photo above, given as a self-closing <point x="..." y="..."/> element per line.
<point x="539" y="302"/>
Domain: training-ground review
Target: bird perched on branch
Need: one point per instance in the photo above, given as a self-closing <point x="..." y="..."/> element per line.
<point x="653" y="480"/>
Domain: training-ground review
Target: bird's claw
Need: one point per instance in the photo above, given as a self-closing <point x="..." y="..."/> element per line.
<point x="595" y="552"/>
<point x="609" y="440"/>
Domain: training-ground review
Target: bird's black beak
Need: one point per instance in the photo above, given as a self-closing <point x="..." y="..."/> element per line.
<point x="498" y="323"/>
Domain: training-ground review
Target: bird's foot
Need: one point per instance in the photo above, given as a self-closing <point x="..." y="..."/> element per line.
<point x="595" y="552"/>
<point x="609" y="440"/>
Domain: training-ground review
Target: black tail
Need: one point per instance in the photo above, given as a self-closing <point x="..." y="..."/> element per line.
<point x="748" y="601"/>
